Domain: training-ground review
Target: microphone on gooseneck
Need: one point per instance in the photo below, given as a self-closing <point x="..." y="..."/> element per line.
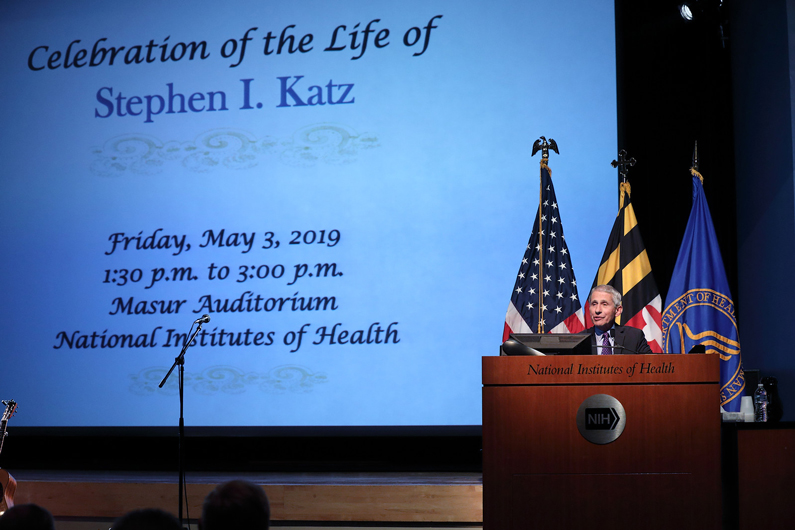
<point x="618" y="346"/>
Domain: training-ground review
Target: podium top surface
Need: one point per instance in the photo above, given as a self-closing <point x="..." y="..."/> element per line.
<point x="601" y="369"/>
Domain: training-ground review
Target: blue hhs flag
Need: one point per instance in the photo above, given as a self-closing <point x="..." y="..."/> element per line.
<point x="699" y="308"/>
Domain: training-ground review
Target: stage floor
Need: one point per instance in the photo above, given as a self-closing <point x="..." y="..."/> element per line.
<point x="321" y="497"/>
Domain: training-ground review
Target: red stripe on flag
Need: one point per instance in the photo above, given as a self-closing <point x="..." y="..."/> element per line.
<point x="506" y="332"/>
<point x="587" y="311"/>
<point x="655" y="315"/>
<point x="574" y="324"/>
<point x="637" y="321"/>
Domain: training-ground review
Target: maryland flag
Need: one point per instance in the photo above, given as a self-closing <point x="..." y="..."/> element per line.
<point x="626" y="267"/>
<point x="699" y="308"/>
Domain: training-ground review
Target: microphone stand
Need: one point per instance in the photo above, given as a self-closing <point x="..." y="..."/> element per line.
<point x="180" y="361"/>
<point x="616" y="346"/>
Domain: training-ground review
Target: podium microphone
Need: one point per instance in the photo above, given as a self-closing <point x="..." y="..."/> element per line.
<point x="617" y="346"/>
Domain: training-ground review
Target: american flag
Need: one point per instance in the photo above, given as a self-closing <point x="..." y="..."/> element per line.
<point x="544" y="298"/>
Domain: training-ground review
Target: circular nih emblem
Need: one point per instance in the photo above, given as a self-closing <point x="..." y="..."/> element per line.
<point x="601" y="419"/>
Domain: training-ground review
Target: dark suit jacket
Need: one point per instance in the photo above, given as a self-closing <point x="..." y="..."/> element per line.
<point x="630" y="338"/>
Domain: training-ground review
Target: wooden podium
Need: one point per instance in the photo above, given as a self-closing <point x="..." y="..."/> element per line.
<point x="662" y="471"/>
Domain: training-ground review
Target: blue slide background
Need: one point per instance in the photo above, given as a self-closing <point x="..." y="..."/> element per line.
<point x="426" y="177"/>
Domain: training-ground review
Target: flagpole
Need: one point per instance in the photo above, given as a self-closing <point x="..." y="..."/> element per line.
<point x="623" y="164"/>
<point x="542" y="145"/>
<point x="540" y="327"/>
<point x="694" y="168"/>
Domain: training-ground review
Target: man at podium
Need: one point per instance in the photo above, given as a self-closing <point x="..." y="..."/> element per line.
<point x="607" y="337"/>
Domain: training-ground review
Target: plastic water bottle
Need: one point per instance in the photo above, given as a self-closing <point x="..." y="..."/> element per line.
<point x="760" y="403"/>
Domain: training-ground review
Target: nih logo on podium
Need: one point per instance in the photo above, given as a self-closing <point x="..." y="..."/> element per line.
<point x="601" y="419"/>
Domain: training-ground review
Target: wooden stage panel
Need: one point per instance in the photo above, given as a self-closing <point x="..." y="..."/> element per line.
<point x="384" y="503"/>
<point x="384" y="497"/>
<point x="629" y="500"/>
<point x="766" y="467"/>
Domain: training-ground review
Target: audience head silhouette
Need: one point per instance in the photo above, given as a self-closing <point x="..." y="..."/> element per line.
<point x="27" y="517"/>
<point x="236" y="505"/>
<point x="147" y="519"/>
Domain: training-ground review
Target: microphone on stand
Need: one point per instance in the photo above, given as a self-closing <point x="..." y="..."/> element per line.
<point x="620" y="347"/>
<point x="203" y="319"/>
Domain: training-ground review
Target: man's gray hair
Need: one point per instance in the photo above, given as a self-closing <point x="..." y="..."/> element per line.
<point x="609" y="289"/>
